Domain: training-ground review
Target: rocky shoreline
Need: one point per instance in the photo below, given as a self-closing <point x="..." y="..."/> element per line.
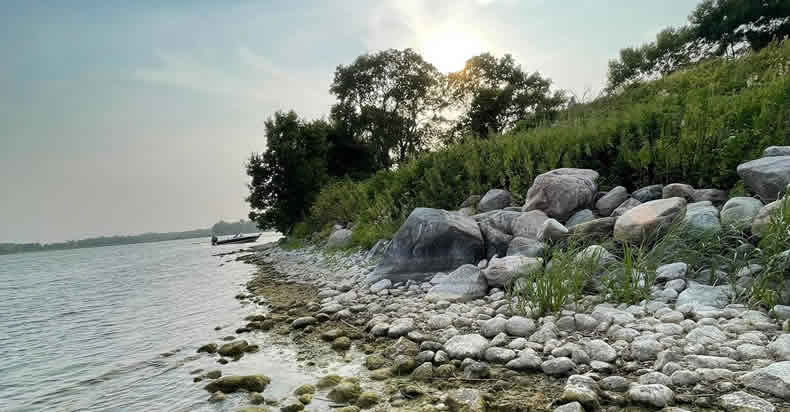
<point x="477" y="355"/>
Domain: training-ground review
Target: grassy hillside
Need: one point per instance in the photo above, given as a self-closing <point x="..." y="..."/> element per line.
<point x="694" y="127"/>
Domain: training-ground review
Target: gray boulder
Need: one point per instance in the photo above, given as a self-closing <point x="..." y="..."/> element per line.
<point x="763" y="218"/>
<point x="463" y="284"/>
<point x="742" y="401"/>
<point x="560" y="192"/>
<point x="740" y="211"/>
<point x="700" y="295"/>
<point x="595" y="228"/>
<point x="552" y="231"/>
<point x="501" y="220"/>
<point x="715" y="196"/>
<point x="522" y="246"/>
<point x="470" y="201"/>
<point x="771" y="151"/>
<point x="648" y="219"/>
<point x="702" y="217"/>
<point x="501" y="271"/>
<point x="430" y="241"/>
<point x="649" y="193"/>
<point x="582" y="216"/>
<point x="773" y="379"/>
<point x="655" y="395"/>
<point x="466" y="346"/>
<point x="494" y="199"/>
<point x="496" y="242"/>
<point x="768" y="176"/>
<point x="339" y="239"/>
<point x="678" y="190"/>
<point x="528" y="225"/>
<point x="629" y="204"/>
<point x="611" y="200"/>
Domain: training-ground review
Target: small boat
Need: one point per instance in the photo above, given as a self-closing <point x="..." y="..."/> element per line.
<point x="235" y="239"/>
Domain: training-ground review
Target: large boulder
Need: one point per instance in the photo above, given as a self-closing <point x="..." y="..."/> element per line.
<point x="648" y="193"/>
<point x="470" y="201"/>
<point x="466" y="346"/>
<point x="764" y="216"/>
<point x="501" y="271"/>
<point x="552" y="231"/>
<point x="230" y="384"/>
<point x="768" y="176"/>
<point x="611" y="200"/>
<point x="339" y="239"/>
<point x="649" y="218"/>
<point x="522" y="246"/>
<point x="704" y="296"/>
<point x="740" y="211"/>
<point x="629" y="204"/>
<point x="430" y="241"/>
<point x="582" y="216"/>
<point x="494" y="199"/>
<point x="463" y="284"/>
<point x="529" y="224"/>
<point x="560" y="192"/>
<point x="702" y="217"/>
<point x="501" y="220"/>
<point x="773" y="379"/>
<point x="678" y="190"/>
<point x="595" y="228"/>
<point x="715" y="196"/>
<point x="771" y="151"/>
<point x="496" y="242"/>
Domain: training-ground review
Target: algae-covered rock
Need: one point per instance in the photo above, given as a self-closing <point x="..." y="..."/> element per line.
<point x="293" y="407"/>
<point x="374" y="362"/>
<point x="381" y="374"/>
<point x="208" y="348"/>
<point x="232" y="349"/>
<point x="466" y="400"/>
<point x="217" y="396"/>
<point x="328" y="381"/>
<point x="230" y="384"/>
<point x="306" y="398"/>
<point x="306" y="388"/>
<point x="351" y="408"/>
<point x="342" y="343"/>
<point x="213" y="374"/>
<point x="368" y="399"/>
<point x="403" y="365"/>
<point x="253" y="409"/>
<point x="347" y="391"/>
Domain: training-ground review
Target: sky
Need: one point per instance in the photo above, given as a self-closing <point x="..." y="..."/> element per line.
<point x="123" y="117"/>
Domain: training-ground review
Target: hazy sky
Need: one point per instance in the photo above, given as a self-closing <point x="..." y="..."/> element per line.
<point x="120" y="117"/>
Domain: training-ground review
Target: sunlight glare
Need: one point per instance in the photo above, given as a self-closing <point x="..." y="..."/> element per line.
<point x="450" y="47"/>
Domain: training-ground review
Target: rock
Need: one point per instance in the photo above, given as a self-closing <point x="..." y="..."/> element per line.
<point x="462" y="285"/>
<point x="347" y="391"/>
<point x="368" y="399"/>
<point x="776" y="151"/>
<point x="342" y="343"/>
<point x="401" y="327"/>
<point x="654" y="378"/>
<point x="339" y="239"/>
<point x="494" y="199"/>
<point x="423" y="372"/>
<point x="383" y="284"/>
<point x="492" y="327"/>
<point x="292" y="407"/>
<point x="528" y="224"/>
<point x="706" y="335"/>
<point x="552" y="231"/>
<point x="496" y="242"/>
<point x="580" y="392"/>
<point x="466" y="346"/>
<point x="501" y="271"/>
<point x="519" y="326"/>
<point x="257" y="409"/>
<point x="648" y="219"/>
<point x="671" y="271"/>
<point x="649" y="193"/>
<point x="595" y="228"/>
<point x="743" y="402"/>
<point x="684" y="377"/>
<point x="655" y="395"/>
<point x="230" y="384"/>
<point x="560" y="192"/>
<point x="740" y="211"/>
<point x="773" y="379"/>
<point x="645" y="349"/>
<point x="476" y="370"/>
<point x="702" y="217"/>
<point x="678" y="190"/>
<point x="522" y="246"/>
<point x="748" y="351"/>
<point x="600" y="351"/>
<point x="582" y="216"/>
<point x="300" y="323"/>
<point x="233" y="349"/>
<point x="304" y="389"/>
<point x="470" y="201"/>
<point x="217" y="396"/>
<point x="557" y="366"/>
<point x="767" y="176"/>
<point x="381" y="374"/>
<point x="716" y="197"/>
<point x="328" y="381"/>
<point x="702" y="295"/>
<point x="763" y="218"/>
<point x="527" y="360"/>
<point x="445" y="371"/>
<point x="501" y="220"/>
<point x="208" y="348"/>
<point x="403" y="346"/>
<point x="430" y="241"/>
<point x="570" y="407"/>
<point x="629" y="204"/>
<point x="546" y="333"/>
<point x="611" y="200"/>
<point x="499" y="355"/>
<point x="614" y="383"/>
<point x="780" y="348"/>
<point x="466" y="400"/>
<point x="605" y="314"/>
<point x="597" y="253"/>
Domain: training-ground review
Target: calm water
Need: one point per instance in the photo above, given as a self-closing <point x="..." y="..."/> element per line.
<point x="88" y="329"/>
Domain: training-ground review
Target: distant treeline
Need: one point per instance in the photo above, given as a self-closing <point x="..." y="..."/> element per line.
<point x="220" y="228"/>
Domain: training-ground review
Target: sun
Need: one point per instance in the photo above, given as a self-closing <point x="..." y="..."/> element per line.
<point x="449" y="47"/>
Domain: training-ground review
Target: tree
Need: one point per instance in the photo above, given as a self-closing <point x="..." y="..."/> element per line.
<point x="287" y="177"/>
<point x="494" y="94"/>
<point x="716" y="28"/>
<point x="389" y="101"/>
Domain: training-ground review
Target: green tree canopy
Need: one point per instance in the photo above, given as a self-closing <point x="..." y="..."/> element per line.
<point x="494" y="94"/>
<point x="289" y="174"/>
<point x="389" y="101"/>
